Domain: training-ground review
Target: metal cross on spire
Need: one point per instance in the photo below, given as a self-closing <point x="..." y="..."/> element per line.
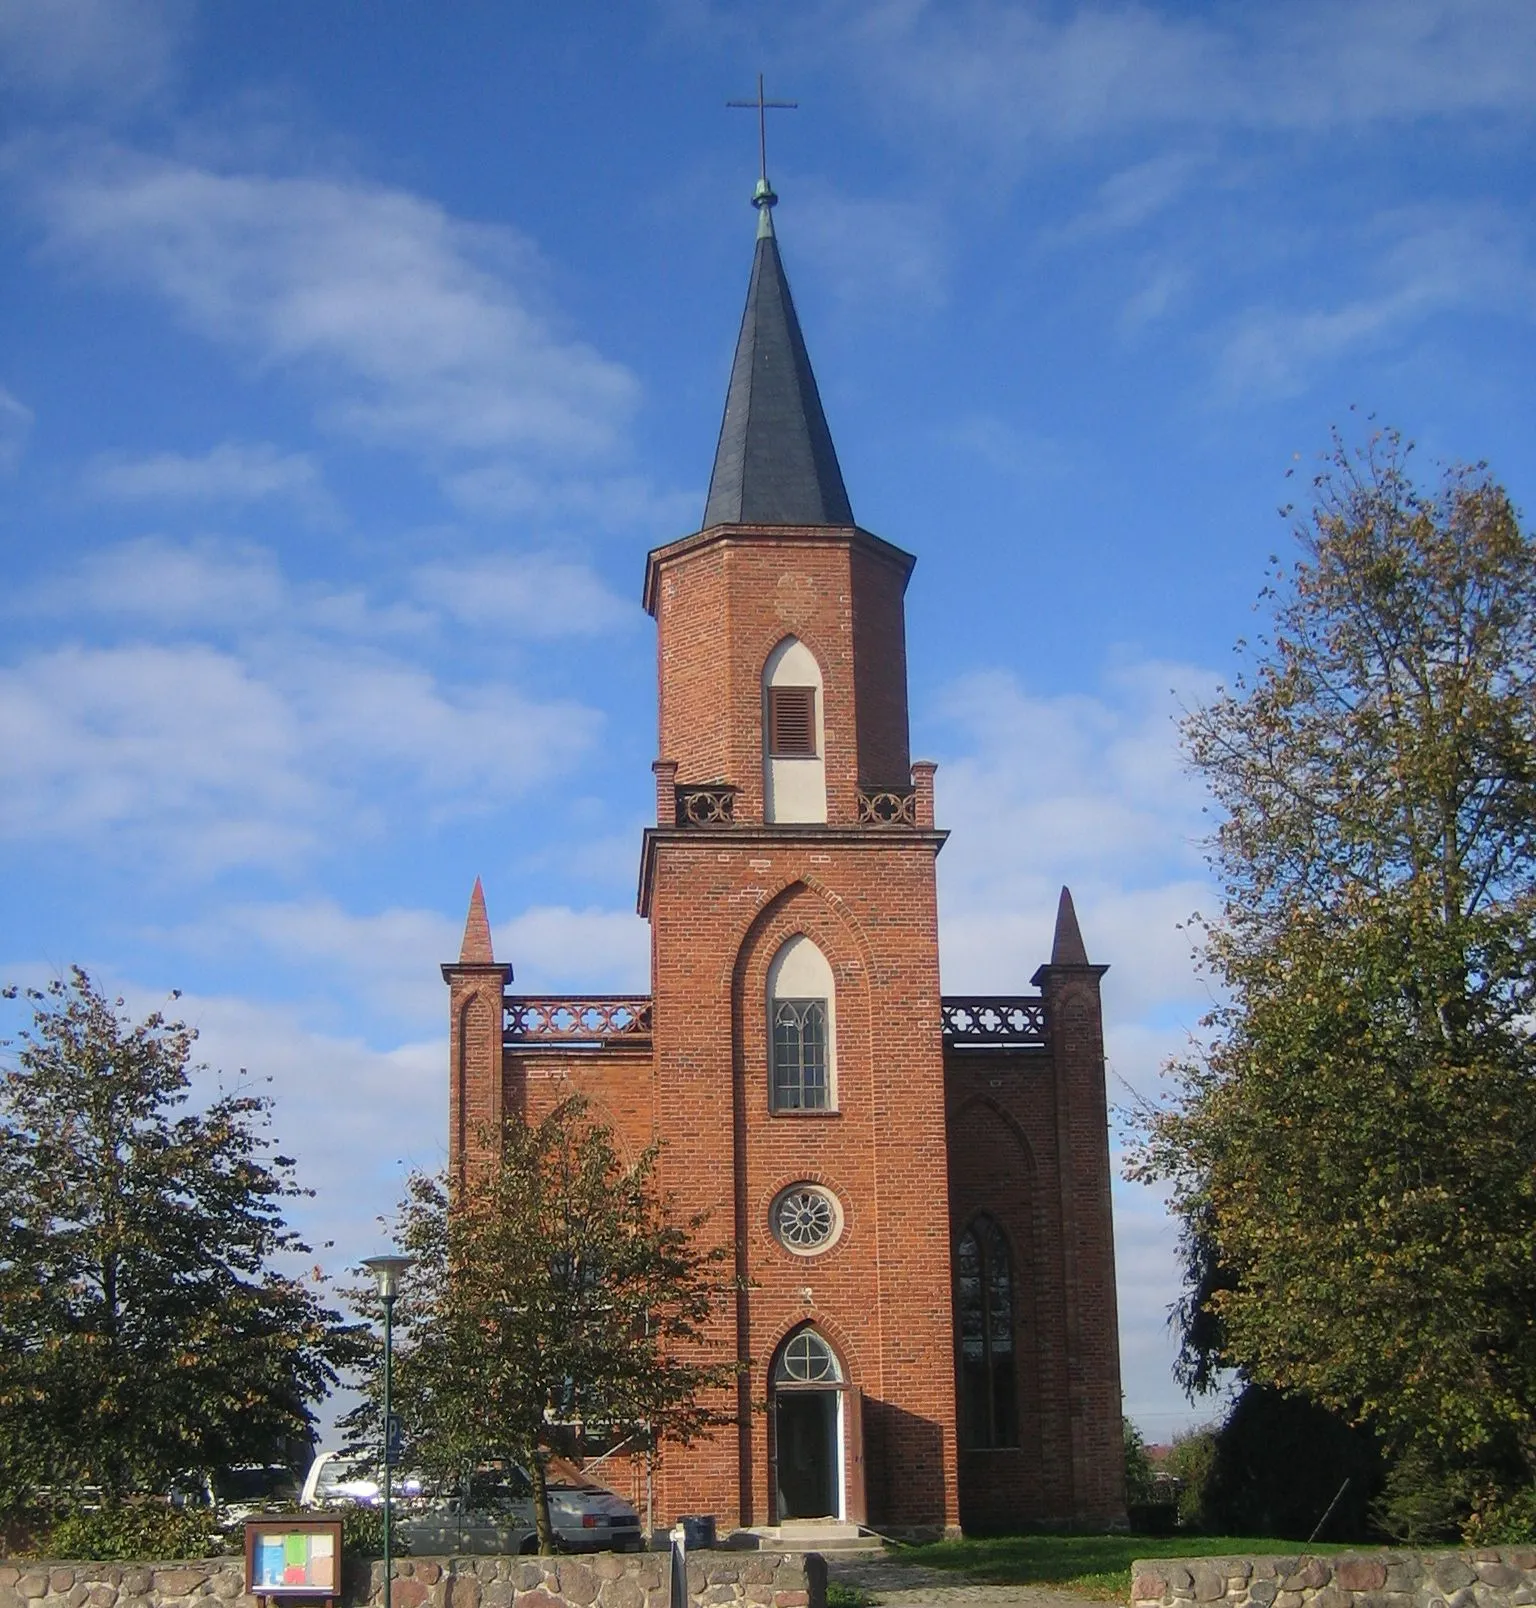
<point x="763" y="197"/>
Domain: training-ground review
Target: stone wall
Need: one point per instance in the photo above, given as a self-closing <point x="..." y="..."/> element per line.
<point x="1492" y="1578"/>
<point x="602" y="1580"/>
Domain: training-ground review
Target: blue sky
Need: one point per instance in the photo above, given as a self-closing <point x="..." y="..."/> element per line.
<point x="353" y="357"/>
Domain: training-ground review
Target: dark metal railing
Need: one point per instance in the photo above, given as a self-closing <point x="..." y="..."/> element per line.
<point x="993" y="1021"/>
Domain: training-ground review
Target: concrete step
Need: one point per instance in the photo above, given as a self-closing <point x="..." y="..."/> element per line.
<point x="828" y="1536"/>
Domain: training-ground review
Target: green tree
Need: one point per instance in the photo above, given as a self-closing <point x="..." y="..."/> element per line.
<point x="1352" y="1155"/>
<point x="551" y="1296"/>
<point x="144" y="1329"/>
<point x="1140" y="1478"/>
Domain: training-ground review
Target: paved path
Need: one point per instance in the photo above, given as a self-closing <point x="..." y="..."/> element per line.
<point x="904" y="1585"/>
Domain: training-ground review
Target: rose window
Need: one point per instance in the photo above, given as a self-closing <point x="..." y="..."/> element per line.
<point x="806" y="1219"/>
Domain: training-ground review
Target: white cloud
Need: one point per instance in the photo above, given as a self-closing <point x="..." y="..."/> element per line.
<point x="552" y="947"/>
<point x="1147" y="1279"/>
<point x="1012" y="78"/>
<point x="1163" y="288"/>
<point x="1131" y="197"/>
<point x="173" y="741"/>
<point x="390" y="959"/>
<point x="166" y="583"/>
<point x="356" y="1118"/>
<point x="1433" y="261"/>
<point x="603" y="502"/>
<point x="534" y="595"/>
<point x="420" y="331"/>
<point x="111" y="51"/>
<point x="1090" y="792"/>
<point x="204" y="760"/>
<point x="210" y="584"/>
<point x="233" y="472"/>
<point x="15" y="427"/>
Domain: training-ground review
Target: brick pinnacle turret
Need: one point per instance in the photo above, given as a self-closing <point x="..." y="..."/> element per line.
<point x="476" y="949"/>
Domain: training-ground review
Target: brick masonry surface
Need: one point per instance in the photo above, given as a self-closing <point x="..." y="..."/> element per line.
<point x="603" y="1580"/>
<point x="915" y="1142"/>
<point x="1493" y="1578"/>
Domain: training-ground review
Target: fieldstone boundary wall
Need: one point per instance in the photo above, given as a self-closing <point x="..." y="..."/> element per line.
<point x="594" y="1580"/>
<point x="1502" y="1577"/>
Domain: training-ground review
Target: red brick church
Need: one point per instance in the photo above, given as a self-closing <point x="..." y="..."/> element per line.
<point x="917" y="1184"/>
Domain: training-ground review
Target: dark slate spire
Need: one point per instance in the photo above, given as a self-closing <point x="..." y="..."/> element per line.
<point x="775" y="464"/>
<point x="1067" y="949"/>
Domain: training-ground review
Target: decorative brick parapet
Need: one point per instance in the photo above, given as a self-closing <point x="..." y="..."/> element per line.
<point x="600" y="1580"/>
<point x="1491" y="1578"/>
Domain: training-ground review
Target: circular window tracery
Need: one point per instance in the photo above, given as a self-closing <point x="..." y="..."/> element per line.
<point x="806" y="1219"/>
<point x="807" y="1359"/>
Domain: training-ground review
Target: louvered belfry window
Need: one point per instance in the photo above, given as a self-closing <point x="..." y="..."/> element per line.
<point x="792" y="722"/>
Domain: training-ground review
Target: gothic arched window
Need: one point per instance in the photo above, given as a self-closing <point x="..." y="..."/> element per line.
<point x="802" y="1042"/>
<point x="984" y="1310"/>
<point x="806" y="1359"/>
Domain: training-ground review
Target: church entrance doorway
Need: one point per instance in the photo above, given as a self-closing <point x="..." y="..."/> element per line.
<point x="808" y="1387"/>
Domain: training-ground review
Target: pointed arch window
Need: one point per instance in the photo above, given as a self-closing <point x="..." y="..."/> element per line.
<point x="984" y="1310"/>
<point x="802" y="1045"/>
<point x="806" y="1359"/>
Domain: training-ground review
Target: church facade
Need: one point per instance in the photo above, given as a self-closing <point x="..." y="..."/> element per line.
<point x="916" y="1186"/>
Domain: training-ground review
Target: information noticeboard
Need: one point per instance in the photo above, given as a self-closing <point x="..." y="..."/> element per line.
<point x="292" y="1557"/>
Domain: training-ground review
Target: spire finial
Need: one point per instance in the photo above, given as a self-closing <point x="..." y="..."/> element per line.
<point x="476" y="949"/>
<point x="1067" y="948"/>
<point x="763" y="197"/>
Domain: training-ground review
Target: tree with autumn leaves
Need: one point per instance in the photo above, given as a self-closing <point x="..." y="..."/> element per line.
<point x="156" y="1320"/>
<point x="553" y="1297"/>
<point x="1353" y="1152"/>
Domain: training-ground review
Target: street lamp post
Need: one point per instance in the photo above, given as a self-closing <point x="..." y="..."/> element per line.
<point x="386" y="1271"/>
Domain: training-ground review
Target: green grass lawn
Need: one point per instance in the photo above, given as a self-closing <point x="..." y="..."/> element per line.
<point x="1091" y="1565"/>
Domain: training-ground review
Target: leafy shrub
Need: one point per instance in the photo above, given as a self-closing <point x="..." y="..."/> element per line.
<point x="1502" y="1520"/>
<point x="135" y="1530"/>
<point x="362" y="1531"/>
<point x="1139" y="1481"/>
<point x="1190" y="1463"/>
<point x="1422" y="1503"/>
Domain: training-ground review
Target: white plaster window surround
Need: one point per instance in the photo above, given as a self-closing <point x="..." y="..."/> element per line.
<point x="802" y="1029"/>
<point x="794" y="788"/>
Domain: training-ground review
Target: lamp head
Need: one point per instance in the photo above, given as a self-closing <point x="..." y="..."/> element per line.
<point x="386" y="1272"/>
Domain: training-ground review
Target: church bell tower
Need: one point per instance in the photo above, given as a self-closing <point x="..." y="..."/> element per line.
<point x="915" y="1188"/>
<point x="790" y="887"/>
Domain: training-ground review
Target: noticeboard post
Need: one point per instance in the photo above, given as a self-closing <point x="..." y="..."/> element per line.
<point x="291" y="1556"/>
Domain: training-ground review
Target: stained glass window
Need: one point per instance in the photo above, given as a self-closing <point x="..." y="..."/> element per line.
<point x="984" y="1308"/>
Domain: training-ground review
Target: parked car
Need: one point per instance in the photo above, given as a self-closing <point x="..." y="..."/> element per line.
<point x="331" y="1483"/>
<point x="495" y="1514"/>
<point x="248" y="1488"/>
